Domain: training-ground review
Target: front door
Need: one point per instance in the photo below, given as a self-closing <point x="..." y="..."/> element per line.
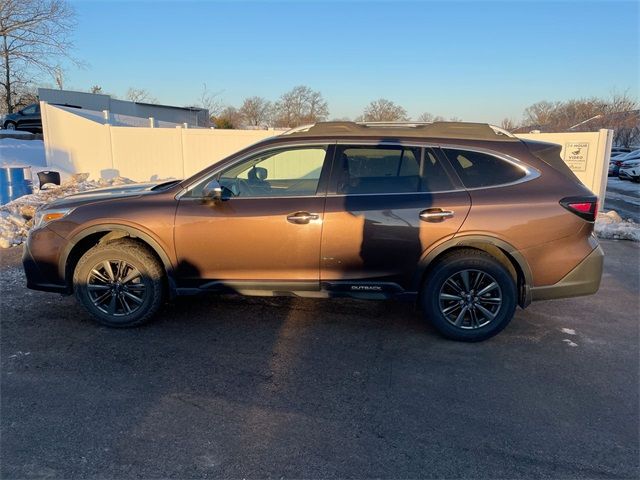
<point x="267" y="230"/>
<point x="387" y="204"/>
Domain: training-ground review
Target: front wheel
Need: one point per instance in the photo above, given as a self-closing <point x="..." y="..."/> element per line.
<point x="121" y="283"/>
<point x="469" y="296"/>
<point x="10" y="126"/>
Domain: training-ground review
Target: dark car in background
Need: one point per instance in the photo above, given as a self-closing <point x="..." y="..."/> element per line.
<point x="463" y="219"/>
<point x="27" y="119"/>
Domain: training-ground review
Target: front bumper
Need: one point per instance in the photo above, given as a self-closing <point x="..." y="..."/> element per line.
<point x="40" y="260"/>
<point x="584" y="279"/>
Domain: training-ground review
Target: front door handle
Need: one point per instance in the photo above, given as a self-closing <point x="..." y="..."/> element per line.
<point x="435" y="214"/>
<point x="301" y="218"/>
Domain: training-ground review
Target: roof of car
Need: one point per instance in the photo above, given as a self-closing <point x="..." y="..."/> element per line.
<point x="459" y="130"/>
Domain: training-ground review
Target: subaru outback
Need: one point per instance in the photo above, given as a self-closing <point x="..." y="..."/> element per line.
<point x="463" y="219"/>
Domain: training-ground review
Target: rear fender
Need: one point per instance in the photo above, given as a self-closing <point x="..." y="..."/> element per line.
<point x="505" y="253"/>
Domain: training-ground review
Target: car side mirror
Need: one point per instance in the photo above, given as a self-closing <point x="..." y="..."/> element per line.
<point x="212" y="191"/>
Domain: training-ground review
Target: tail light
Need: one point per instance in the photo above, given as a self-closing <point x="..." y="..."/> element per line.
<point x="584" y="207"/>
<point x="618" y="163"/>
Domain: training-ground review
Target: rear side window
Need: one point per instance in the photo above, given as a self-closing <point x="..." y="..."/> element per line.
<point x="389" y="169"/>
<point x="482" y="170"/>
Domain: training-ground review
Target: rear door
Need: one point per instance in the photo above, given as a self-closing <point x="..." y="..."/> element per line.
<point x="386" y="205"/>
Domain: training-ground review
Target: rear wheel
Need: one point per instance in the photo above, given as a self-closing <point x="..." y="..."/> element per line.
<point x="10" y="126"/>
<point x="469" y="296"/>
<point x="119" y="283"/>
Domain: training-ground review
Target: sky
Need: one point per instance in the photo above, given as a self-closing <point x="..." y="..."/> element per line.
<point x="476" y="60"/>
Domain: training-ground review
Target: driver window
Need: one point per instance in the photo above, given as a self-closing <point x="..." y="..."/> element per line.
<point x="277" y="173"/>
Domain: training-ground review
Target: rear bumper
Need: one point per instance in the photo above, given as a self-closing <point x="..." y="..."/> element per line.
<point x="584" y="279"/>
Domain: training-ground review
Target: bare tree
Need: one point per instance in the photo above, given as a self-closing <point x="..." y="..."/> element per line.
<point x="24" y="95"/>
<point x="455" y="119"/>
<point x="211" y="101"/>
<point x="383" y="110"/>
<point x="299" y="106"/>
<point x="140" y="95"/>
<point x="256" y="111"/>
<point x="425" y="117"/>
<point x="34" y="36"/>
<point x="508" y="124"/>
<point x="229" y="117"/>
<point x="58" y="77"/>
<point x="96" y="89"/>
<point x="621" y="113"/>
<point x="540" y="114"/>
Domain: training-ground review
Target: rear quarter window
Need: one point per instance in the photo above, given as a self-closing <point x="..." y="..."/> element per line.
<point x="477" y="169"/>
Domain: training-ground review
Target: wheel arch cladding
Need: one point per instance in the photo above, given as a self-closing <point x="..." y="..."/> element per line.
<point x="504" y="253"/>
<point x="90" y="237"/>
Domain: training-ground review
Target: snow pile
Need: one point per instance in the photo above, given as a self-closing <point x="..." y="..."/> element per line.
<point x="611" y="225"/>
<point x="14" y="152"/>
<point x="16" y="218"/>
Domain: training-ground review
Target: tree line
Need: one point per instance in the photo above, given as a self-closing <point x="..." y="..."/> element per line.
<point x="300" y="106"/>
<point x="619" y="111"/>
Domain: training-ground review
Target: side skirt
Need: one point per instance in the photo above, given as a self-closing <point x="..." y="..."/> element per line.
<point x="336" y="289"/>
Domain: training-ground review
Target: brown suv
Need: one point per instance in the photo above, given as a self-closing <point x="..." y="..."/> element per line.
<point x="464" y="219"/>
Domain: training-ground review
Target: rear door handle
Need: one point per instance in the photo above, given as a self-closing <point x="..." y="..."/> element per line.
<point x="301" y="218"/>
<point x="435" y="214"/>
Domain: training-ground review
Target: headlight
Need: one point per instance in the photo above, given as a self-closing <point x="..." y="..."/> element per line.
<point x="46" y="215"/>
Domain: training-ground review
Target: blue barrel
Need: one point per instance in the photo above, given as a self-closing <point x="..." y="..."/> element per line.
<point x="14" y="183"/>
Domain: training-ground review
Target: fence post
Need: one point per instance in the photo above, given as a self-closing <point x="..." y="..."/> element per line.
<point x="185" y="125"/>
<point x="107" y="116"/>
<point x="152" y="122"/>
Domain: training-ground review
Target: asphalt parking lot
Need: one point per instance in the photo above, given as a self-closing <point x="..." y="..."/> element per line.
<point x="278" y="387"/>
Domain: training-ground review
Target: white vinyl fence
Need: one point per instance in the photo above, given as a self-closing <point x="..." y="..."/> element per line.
<point x="80" y="141"/>
<point x="83" y="141"/>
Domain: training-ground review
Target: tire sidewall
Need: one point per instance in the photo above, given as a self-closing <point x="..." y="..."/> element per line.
<point x="153" y="286"/>
<point x="446" y="268"/>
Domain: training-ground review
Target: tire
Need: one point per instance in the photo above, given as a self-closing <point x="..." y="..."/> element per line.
<point x="441" y="300"/>
<point x="10" y="126"/>
<point x="130" y="294"/>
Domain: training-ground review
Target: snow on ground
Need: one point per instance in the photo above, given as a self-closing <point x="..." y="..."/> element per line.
<point x="611" y="225"/>
<point x="16" y="218"/>
<point x="23" y="153"/>
<point x="12" y="133"/>
<point x="614" y="183"/>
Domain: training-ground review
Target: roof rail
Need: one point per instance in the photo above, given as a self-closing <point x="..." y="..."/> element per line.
<point x="460" y="130"/>
<point x="301" y="128"/>
<point x="393" y="124"/>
